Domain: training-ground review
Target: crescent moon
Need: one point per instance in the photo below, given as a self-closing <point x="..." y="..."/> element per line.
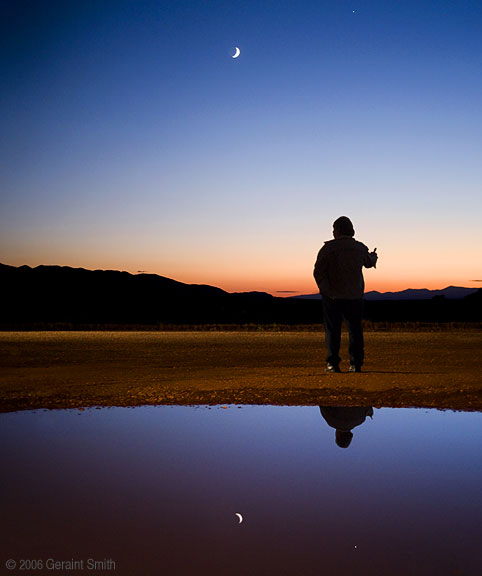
<point x="237" y="53"/>
<point x="239" y="516"/>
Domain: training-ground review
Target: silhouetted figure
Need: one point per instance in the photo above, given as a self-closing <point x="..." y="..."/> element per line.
<point x="338" y="274"/>
<point x="343" y="419"/>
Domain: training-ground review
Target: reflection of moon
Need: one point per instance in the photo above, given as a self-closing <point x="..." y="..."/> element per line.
<point x="237" y="513"/>
<point x="237" y="53"/>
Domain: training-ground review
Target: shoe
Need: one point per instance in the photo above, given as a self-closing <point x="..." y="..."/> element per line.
<point x="354" y="368"/>
<point x="332" y="368"/>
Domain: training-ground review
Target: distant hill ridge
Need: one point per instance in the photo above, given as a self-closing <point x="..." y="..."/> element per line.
<point x="451" y="292"/>
<point x="79" y="296"/>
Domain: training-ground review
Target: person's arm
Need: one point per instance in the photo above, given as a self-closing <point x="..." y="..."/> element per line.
<point x="371" y="259"/>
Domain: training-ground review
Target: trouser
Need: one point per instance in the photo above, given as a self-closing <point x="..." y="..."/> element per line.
<point x="335" y="310"/>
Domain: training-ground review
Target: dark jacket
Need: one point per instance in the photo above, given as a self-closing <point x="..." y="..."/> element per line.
<point x="338" y="268"/>
<point x="345" y="417"/>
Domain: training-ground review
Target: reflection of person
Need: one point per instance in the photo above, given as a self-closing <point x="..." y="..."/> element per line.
<point x="338" y="274"/>
<point x="343" y="419"/>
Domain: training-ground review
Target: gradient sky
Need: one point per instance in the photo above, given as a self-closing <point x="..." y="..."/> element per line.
<point x="131" y="140"/>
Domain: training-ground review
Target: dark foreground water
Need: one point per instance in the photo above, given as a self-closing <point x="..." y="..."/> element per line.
<point x="155" y="490"/>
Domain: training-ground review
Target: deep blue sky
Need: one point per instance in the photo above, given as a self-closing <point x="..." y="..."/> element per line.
<point x="130" y="139"/>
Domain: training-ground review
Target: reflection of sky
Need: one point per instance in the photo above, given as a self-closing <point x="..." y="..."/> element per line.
<point x="159" y="487"/>
<point x="132" y="140"/>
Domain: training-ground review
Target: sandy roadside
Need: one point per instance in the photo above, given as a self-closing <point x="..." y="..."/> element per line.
<point x="80" y="369"/>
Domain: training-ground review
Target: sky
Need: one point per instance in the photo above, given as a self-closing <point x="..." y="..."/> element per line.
<point x="130" y="139"/>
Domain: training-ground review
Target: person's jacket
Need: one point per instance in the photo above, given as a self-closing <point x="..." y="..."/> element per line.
<point x="338" y="268"/>
<point x="345" y="417"/>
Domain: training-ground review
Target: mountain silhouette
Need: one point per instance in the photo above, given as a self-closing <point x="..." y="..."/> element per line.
<point x="75" y="295"/>
<point x="451" y="292"/>
<point x="60" y="295"/>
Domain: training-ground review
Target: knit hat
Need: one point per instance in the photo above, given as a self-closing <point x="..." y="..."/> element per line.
<point x="344" y="226"/>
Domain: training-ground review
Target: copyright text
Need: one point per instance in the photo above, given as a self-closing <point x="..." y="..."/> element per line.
<point x="91" y="564"/>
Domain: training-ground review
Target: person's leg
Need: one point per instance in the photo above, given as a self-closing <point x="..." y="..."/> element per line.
<point x="332" y="319"/>
<point x="353" y="312"/>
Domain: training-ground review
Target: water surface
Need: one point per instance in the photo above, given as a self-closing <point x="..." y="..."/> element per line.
<point x="155" y="490"/>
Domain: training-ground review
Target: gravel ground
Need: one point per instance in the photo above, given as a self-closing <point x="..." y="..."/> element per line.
<point x="80" y="369"/>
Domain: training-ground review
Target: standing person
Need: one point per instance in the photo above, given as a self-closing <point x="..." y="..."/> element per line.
<point x="338" y="274"/>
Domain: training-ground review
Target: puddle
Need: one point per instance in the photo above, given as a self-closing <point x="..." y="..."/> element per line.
<point x="157" y="490"/>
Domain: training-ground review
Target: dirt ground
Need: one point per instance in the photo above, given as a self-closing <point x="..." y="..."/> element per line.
<point x="80" y="369"/>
